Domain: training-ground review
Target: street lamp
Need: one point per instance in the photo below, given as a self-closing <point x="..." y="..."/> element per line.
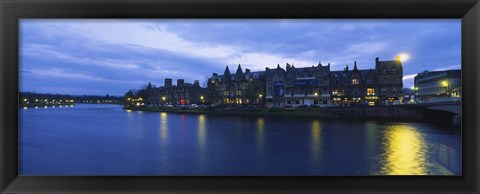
<point x="445" y="83"/>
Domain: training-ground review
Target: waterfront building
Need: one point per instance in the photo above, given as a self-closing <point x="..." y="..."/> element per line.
<point x="180" y="94"/>
<point x="239" y="88"/>
<point x="433" y="86"/>
<point x="319" y="86"/>
<point x="311" y="86"/>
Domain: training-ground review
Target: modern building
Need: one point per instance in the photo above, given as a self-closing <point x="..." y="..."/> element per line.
<point x="432" y="86"/>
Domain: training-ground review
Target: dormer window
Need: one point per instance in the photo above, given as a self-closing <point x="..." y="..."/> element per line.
<point x="384" y="71"/>
<point x="394" y="71"/>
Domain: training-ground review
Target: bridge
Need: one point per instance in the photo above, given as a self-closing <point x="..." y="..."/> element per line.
<point x="454" y="107"/>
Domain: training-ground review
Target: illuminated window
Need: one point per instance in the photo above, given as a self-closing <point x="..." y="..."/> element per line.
<point x="225" y="93"/>
<point x="370" y="91"/>
<point x="239" y="92"/>
<point x="355" y="81"/>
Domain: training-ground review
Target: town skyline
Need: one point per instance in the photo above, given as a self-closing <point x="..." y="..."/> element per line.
<point x="97" y="57"/>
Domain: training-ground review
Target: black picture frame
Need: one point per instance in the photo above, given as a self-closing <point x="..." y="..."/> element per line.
<point x="13" y="10"/>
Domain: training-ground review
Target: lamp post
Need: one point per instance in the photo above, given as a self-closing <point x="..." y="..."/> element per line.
<point x="445" y="83"/>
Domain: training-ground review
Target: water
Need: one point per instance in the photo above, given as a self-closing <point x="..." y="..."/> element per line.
<point x="107" y="140"/>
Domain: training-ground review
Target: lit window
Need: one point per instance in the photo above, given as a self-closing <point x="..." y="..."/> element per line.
<point x="355" y="81"/>
<point x="370" y="91"/>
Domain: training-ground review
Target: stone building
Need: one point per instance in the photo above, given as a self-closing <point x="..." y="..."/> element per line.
<point x="319" y="86"/>
<point x="232" y="88"/>
<point x="180" y="94"/>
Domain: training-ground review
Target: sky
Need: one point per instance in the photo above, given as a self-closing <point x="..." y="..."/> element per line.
<point x="105" y="56"/>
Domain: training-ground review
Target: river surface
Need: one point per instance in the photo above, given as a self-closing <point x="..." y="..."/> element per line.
<point x="96" y="139"/>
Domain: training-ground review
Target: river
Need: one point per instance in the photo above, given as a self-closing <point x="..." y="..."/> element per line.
<point x="100" y="139"/>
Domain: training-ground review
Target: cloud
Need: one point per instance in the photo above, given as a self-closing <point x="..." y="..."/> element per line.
<point x="114" y="51"/>
<point x="48" y="51"/>
<point x="409" y="76"/>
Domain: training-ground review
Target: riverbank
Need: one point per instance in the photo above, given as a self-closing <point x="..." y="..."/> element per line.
<point x="407" y="114"/>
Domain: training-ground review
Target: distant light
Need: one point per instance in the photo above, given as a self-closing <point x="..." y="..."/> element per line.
<point x="316" y="94"/>
<point x="403" y="57"/>
<point x="25" y="100"/>
<point x="413" y="88"/>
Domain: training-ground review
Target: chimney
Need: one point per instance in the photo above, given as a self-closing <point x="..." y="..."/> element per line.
<point x="247" y="71"/>
<point x="266" y="68"/>
<point x="180" y="82"/>
<point x="168" y="82"/>
<point x="376" y="59"/>
<point x="196" y="83"/>
<point x="215" y="74"/>
<point x="288" y="66"/>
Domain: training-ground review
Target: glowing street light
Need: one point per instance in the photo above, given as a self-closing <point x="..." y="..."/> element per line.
<point x="260" y="95"/>
<point x="25" y="100"/>
<point x="163" y="98"/>
<point x="403" y="57"/>
<point x="316" y="94"/>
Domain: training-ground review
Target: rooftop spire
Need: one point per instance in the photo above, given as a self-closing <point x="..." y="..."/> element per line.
<point x="239" y="70"/>
<point x="227" y="71"/>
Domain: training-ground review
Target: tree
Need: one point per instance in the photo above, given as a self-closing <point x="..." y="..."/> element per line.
<point x="128" y="97"/>
<point x="254" y="89"/>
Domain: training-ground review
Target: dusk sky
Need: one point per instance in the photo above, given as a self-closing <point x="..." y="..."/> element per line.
<point x="96" y="57"/>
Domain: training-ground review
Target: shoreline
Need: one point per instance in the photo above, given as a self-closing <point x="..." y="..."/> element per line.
<point x="351" y="113"/>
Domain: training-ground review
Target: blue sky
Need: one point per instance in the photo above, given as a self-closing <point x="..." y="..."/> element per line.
<point x="96" y="57"/>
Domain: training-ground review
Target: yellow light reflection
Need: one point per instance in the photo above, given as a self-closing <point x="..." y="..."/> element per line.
<point x="201" y="131"/>
<point x="405" y="152"/>
<point x="25" y="108"/>
<point x="315" y="140"/>
<point x="163" y="128"/>
<point x="261" y="134"/>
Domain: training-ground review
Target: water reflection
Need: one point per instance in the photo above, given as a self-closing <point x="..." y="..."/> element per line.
<point x="315" y="140"/>
<point x="163" y="128"/>
<point x="261" y="135"/>
<point x="202" y="136"/>
<point x="405" y="151"/>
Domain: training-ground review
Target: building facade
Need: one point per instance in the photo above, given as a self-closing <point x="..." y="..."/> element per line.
<point x="239" y="88"/>
<point x="310" y="86"/>
<point x="319" y="86"/>
<point x="180" y="94"/>
<point x="431" y="86"/>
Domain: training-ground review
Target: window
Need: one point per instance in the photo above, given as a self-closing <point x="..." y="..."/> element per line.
<point x="355" y="81"/>
<point x="225" y="93"/>
<point x="370" y="91"/>
<point x="384" y="71"/>
<point x="239" y="92"/>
